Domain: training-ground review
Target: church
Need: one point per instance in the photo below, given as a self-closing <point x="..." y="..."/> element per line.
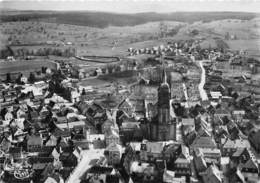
<point x="162" y="127"/>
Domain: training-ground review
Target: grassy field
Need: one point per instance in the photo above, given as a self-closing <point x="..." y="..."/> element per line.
<point x="124" y="78"/>
<point x="24" y="67"/>
<point x="94" y="82"/>
<point x="114" y="39"/>
<point x="251" y="44"/>
<point x="104" y="19"/>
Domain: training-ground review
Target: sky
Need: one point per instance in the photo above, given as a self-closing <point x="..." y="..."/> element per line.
<point x="134" y="6"/>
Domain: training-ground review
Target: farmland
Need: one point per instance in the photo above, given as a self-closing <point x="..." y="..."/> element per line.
<point x="24" y="67"/>
<point x="251" y="44"/>
<point x="113" y="39"/>
<point x="103" y="20"/>
<point x="42" y="34"/>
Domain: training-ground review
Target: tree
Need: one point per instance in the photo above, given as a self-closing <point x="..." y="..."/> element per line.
<point x="110" y="69"/>
<point x="194" y="32"/>
<point x="227" y="36"/>
<point x="8" y="78"/>
<point x="103" y="70"/>
<point x="83" y="92"/>
<point x="118" y="68"/>
<point x="95" y="73"/>
<point x="44" y="70"/>
<point x="31" y="78"/>
<point x="3" y="112"/>
<point x="18" y="80"/>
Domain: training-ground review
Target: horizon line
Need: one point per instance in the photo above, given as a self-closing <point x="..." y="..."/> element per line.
<point x="130" y="13"/>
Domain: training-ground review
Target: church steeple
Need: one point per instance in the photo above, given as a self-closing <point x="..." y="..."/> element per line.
<point x="164" y="100"/>
<point x="164" y="76"/>
<point x="164" y="128"/>
<point x="164" y="92"/>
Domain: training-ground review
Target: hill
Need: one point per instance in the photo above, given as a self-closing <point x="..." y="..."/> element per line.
<point x="102" y="19"/>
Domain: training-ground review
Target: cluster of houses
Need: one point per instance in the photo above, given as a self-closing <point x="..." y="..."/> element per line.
<point x="145" y="131"/>
<point x="42" y="136"/>
<point x="179" y="48"/>
<point x="175" y="48"/>
<point x="214" y="146"/>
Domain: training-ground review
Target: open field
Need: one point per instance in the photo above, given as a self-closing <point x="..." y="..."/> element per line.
<point x="251" y="44"/>
<point x="114" y="39"/>
<point x="94" y="82"/>
<point x="102" y="19"/>
<point x="106" y="83"/>
<point x="124" y="78"/>
<point x="24" y="67"/>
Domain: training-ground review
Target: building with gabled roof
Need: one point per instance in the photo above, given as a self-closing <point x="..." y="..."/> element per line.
<point x="182" y="165"/>
<point x="114" y="153"/>
<point x="254" y="139"/>
<point x="203" y="142"/>
<point x="242" y="155"/>
<point x="34" y="141"/>
<point x="200" y="163"/>
<point x="227" y="147"/>
<point x="237" y="177"/>
<point x="250" y="166"/>
<point x="212" y="175"/>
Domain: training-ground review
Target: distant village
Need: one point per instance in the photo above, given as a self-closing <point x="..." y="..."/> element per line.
<point x="191" y="115"/>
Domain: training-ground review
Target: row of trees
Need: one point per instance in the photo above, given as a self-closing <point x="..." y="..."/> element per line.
<point x="4" y="53"/>
<point x="23" y="52"/>
<point x="55" y="85"/>
<point x="69" y="52"/>
<point x="31" y="79"/>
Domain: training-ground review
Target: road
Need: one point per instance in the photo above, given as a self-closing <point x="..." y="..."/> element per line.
<point x="85" y="164"/>
<point x="203" y="94"/>
<point x="185" y="95"/>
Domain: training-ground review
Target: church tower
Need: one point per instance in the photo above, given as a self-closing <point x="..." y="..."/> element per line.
<point x="164" y="101"/>
<point x="163" y="128"/>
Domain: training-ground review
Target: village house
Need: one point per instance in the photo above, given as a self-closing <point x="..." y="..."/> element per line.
<point x="237" y="176"/>
<point x="212" y="175"/>
<point x="77" y="127"/>
<point x="188" y="125"/>
<point x="199" y="162"/>
<point x="39" y="163"/>
<point x="34" y="142"/>
<point x="254" y="139"/>
<point x="143" y="171"/>
<point x="131" y="131"/>
<point x="15" y="152"/>
<point x="203" y="142"/>
<point x="182" y="163"/>
<point x="112" y="137"/>
<point x="132" y="153"/>
<point x="113" y="153"/>
<point x="250" y="170"/>
<point x="67" y="158"/>
<point x="170" y="176"/>
<point x="151" y="151"/>
<point x="211" y="154"/>
<point x="102" y="174"/>
<point x="227" y="147"/>
<point x="242" y="155"/>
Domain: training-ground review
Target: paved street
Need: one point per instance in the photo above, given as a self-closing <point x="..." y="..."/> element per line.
<point x="203" y="93"/>
<point x="85" y="164"/>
